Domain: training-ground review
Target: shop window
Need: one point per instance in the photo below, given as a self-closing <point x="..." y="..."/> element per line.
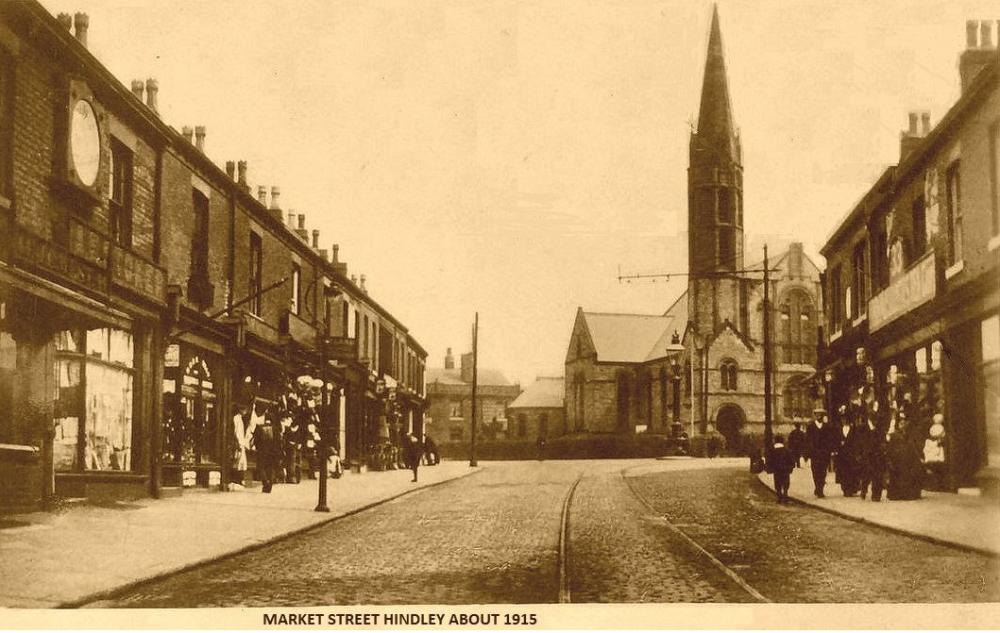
<point x="191" y="426"/>
<point x="729" y="372"/>
<point x="256" y="273"/>
<point x="12" y="429"/>
<point x="796" y="399"/>
<point x="93" y="400"/>
<point x="120" y="194"/>
<point x="954" y="193"/>
<point x="918" y="220"/>
<point x="6" y="124"/>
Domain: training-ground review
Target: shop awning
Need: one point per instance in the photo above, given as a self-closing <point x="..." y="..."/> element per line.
<point x="54" y="293"/>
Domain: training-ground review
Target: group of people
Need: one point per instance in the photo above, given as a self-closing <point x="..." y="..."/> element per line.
<point x="892" y="454"/>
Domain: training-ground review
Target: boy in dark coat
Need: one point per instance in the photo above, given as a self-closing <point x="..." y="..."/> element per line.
<point x="781" y="464"/>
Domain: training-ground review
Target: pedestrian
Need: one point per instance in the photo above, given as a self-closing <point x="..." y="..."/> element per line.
<point x="412" y="451"/>
<point x="291" y="440"/>
<point x="904" y="451"/>
<point x="431" y="455"/>
<point x="242" y="435"/>
<point x="872" y="455"/>
<point x="796" y="444"/>
<point x="780" y="464"/>
<point x="267" y="442"/>
<point x="846" y="463"/>
<point x="820" y="445"/>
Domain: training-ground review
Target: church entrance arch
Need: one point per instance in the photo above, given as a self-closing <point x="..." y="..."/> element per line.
<point x="728" y="421"/>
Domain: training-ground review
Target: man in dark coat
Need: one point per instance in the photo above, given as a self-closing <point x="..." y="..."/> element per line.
<point x="797" y="444"/>
<point x="412" y="452"/>
<point x="820" y="445"/>
<point x="781" y="463"/>
<point x="872" y="456"/>
<point x="267" y="441"/>
<point x="847" y="463"/>
<point x="431" y="454"/>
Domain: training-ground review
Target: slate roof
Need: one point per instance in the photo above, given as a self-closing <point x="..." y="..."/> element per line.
<point x="544" y="393"/>
<point x="491" y="377"/>
<point x="630" y="338"/>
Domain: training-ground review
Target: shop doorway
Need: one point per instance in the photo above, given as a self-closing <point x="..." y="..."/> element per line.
<point x="729" y="421"/>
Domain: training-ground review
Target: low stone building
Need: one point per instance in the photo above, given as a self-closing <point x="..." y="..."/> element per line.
<point x="449" y="397"/>
<point x="540" y="411"/>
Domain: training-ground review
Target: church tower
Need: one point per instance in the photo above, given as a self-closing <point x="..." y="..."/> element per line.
<point x="715" y="204"/>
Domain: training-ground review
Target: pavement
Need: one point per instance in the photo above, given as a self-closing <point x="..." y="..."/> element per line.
<point x="86" y="552"/>
<point x="967" y="521"/>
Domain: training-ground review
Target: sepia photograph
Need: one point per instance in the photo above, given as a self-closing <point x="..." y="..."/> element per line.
<point x="501" y="314"/>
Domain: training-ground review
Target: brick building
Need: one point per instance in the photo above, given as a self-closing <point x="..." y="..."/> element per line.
<point x="145" y="292"/>
<point x="719" y="319"/>
<point x="913" y="277"/>
<point x="449" y="401"/>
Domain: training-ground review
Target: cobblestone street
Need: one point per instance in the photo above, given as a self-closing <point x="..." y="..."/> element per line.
<point x="494" y="538"/>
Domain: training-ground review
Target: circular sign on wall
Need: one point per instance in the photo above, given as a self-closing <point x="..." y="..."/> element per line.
<point x="85" y="142"/>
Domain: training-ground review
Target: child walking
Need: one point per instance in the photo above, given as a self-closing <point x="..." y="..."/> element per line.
<point x="781" y="464"/>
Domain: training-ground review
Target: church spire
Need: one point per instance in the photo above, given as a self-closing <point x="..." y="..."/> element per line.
<point x="715" y="116"/>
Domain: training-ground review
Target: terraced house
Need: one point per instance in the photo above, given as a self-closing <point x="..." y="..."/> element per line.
<point x="145" y="291"/>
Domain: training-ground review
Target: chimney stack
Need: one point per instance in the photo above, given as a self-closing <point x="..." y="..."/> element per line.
<point x="911" y="138"/>
<point x="291" y="220"/>
<point x="66" y="20"/>
<point x="187" y="133"/>
<point x="137" y="88"/>
<point x="316" y="239"/>
<point x="362" y="285"/>
<point x="199" y="137"/>
<point x="262" y="195"/>
<point x="449" y="360"/>
<point x="81" y="22"/>
<point x="979" y="50"/>
<point x="925" y="123"/>
<point x="335" y="254"/>
<point x="913" y="124"/>
<point x="152" y="89"/>
<point x="231" y="169"/>
<point x="302" y="221"/>
<point x="241" y="173"/>
<point x="275" y="195"/>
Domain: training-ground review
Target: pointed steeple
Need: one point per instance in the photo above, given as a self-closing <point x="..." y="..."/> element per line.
<point x="715" y="116"/>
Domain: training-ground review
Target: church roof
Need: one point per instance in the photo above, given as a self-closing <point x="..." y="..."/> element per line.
<point x="546" y="392"/>
<point x="630" y="338"/>
<point x="715" y="116"/>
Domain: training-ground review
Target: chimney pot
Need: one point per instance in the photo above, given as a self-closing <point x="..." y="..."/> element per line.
<point x="971" y="34"/>
<point x="152" y="90"/>
<point x="230" y="169"/>
<point x="187" y="132"/>
<point x="354" y="279"/>
<point x="925" y="123"/>
<point x="302" y="221"/>
<point x="241" y="170"/>
<point x="137" y="88"/>
<point x="291" y="220"/>
<point x="363" y="289"/>
<point x="275" y="195"/>
<point x="316" y="238"/>
<point x="66" y="20"/>
<point x="81" y="22"/>
<point x="985" y="34"/>
<point x="335" y="252"/>
<point x="199" y="137"/>
<point x="913" y="124"/>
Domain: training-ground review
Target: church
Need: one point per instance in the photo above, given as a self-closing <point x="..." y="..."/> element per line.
<point x="699" y="366"/>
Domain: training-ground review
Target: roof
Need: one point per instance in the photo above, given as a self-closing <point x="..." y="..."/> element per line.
<point x="485" y="376"/>
<point x="630" y="338"/>
<point x="715" y="116"/>
<point x="544" y="393"/>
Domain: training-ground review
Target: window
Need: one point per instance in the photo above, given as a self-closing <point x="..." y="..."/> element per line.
<point x="455" y="409"/>
<point x="879" y="261"/>
<point x="256" y="272"/>
<point x="6" y="124"/>
<point x="191" y="426"/>
<point x="728" y="371"/>
<point x="796" y="398"/>
<point x="726" y="211"/>
<point x="836" y="300"/>
<point x="120" y="194"/>
<point x="995" y="174"/>
<point x="14" y="428"/>
<point x="93" y="400"/>
<point x="954" y="193"/>
<point x="199" y="239"/>
<point x="797" y="329"/>
<point x="543" y="425"/>
<point x="918" y="218"/>
<point x="727" y="248"/>
<point x="859" y="287"/>
<point x="366" y="348"/>
<point x="296" y="288"/>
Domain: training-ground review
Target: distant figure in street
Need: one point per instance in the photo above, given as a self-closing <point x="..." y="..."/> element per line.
<point x="872" y="456"/>
<point x="242" y="434"/>
<point x="266" y="439"/>
<point x="412" y="450"/>
<point x="780" y="464"/>
<point x="431" y="455"/>
<point x="847" y="463"/>
<point x="820" y="445"/>
<point x="797" y="444"/>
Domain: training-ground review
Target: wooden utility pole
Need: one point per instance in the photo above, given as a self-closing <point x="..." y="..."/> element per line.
<point x="475" y="376"/>
<point x="768" y="438"/>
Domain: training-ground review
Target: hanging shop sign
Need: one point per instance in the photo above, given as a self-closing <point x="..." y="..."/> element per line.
<point x="172" y="357"/>
<point x="907" y="292"/>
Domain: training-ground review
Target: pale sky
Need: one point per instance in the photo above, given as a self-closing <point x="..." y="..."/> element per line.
<point x="508" y="157"/>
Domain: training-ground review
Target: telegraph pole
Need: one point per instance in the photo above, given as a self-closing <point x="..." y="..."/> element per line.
<point x="768" y="437"/>
<point x="475" y="376"/>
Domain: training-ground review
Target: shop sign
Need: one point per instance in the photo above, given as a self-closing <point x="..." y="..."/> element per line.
<point x="136" y="274"/>
<point x="341" y="348"/>
<point x="907" y="292"/>
<point x="172" y="357"/>
<point x="44" y="255"/>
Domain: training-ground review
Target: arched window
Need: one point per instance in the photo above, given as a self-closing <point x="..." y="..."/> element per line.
<point x="728" y="370"/>
<point x="796" y="328"/>
<point x="796" y="399"/>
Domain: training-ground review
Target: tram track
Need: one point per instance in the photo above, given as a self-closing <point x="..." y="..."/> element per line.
<point x="564" y="591"/>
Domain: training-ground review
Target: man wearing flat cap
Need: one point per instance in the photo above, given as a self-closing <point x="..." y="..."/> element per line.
<point x="821" y="443"/>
